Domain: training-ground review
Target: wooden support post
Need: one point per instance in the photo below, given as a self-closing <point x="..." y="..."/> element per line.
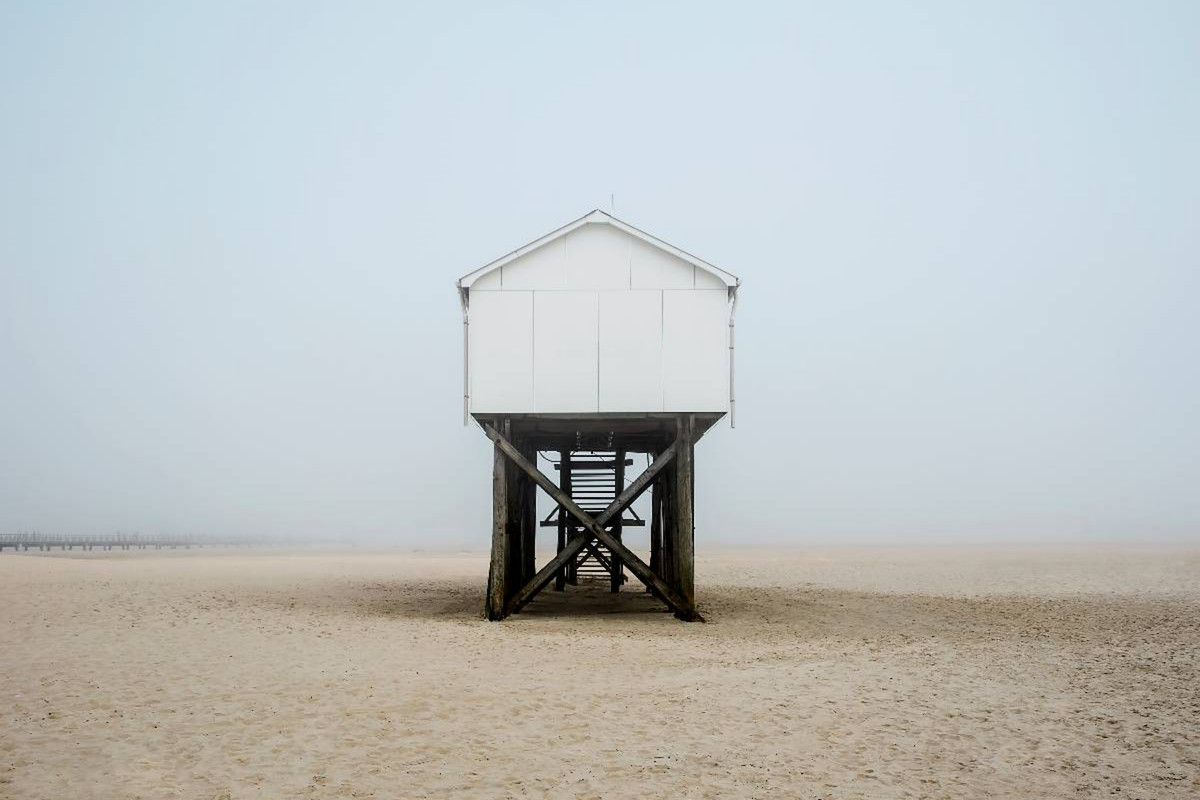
<point x="564" y="482"/>
<point x="684" y="555"/>
<point x="572" y="568"/>
<point x="596" y="527"/>
<point x="498" y="571"/>
<point x="656" y="555"/>
<point x="617" y="572"/>
<point x="667" y="509"/>
<point x="529" y="520"/>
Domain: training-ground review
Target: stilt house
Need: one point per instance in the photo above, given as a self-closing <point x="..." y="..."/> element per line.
<point x="595" y="342"/>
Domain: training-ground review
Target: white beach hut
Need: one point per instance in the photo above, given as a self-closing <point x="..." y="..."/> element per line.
<point x="598" y="317"/>
<point x="590" y="345"/>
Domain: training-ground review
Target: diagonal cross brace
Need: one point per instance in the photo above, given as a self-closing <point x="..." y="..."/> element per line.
<point x="592" y="527"/>
<point x="599" y="556"/>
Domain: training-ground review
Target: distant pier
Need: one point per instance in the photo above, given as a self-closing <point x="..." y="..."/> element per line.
<point x="119" y="541"/>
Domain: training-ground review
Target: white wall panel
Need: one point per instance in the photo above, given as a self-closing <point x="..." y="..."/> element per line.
<point x="598" y="321"/>
<point x="706" y="280"/>
<point x="695" y="350"/>
<point x="631" y="351"/>
<point x="489" y="281"/>
<point x="501" y="350"/>
<point x="565" y="352"/>
<point x="651" y="268"/>
<point x="540" y="269"/>
<point x="597" y="258"/>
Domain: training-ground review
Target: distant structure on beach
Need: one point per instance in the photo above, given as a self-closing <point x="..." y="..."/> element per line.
<point x="123" y="541"/>
<point x="592" y="343"/>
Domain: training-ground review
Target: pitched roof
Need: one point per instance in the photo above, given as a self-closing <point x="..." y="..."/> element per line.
<point x="599" y="217"/>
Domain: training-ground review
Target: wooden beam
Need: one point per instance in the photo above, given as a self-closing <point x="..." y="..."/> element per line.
<point x="594" y="465"/>
<point x="564" y="478"/>
<point x="596" y="527"/>
<point x="656" y="555"/>
<point x="596" y="554"/>
<point x="684" y="555"/>
<point x="497" y="591"/>
<point x="528" y="521"/>
<point x="616" y="572"/>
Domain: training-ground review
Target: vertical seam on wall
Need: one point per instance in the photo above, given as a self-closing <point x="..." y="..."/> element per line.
<point x="532" y="350"/>
<point x="597" y="352"/>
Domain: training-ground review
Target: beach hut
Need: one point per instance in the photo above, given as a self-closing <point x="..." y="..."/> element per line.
<point x="592" y="343"/>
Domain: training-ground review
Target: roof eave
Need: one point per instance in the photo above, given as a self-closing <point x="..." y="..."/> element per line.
<point x="728" y="278"/>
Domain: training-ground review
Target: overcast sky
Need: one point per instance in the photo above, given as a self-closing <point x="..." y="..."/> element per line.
<point x="968" y="238"/>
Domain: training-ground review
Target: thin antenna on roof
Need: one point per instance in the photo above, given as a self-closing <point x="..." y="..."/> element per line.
<point x="612" y="204"/>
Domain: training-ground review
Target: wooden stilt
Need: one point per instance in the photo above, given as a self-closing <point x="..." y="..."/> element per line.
<point x="684" y="583"/>
<point x="498" y="571"/>
<point x="564" y="481"/>
<point x="617" y="572"/>
<point x="572" y="570"/>
<point x="596" y="527"/>
<point x="529" y="520"/>
<point x="516" y="522"/>
<point x="667" y="509"/>
<point x="656" y="555"/>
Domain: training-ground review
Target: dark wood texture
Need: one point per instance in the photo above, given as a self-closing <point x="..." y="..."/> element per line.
<point x="617" y="576"/>
<point x="497" y="591"/>
<point x="684" y="583"/>
<point x="595" y="526"/>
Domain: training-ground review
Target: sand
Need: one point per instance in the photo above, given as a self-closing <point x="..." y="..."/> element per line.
<point x="823" y="673"/>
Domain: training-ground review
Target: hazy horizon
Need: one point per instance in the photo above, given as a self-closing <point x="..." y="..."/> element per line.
<point x="967" y="237"/>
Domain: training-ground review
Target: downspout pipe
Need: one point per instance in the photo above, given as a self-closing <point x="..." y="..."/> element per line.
<point x="733" y="295"/>
<point x="463" y="299"/>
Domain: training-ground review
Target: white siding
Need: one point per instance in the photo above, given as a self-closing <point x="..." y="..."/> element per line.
<point x="651" y="268"/>
<point x="540" y="269"/>
<point x="706" y="280"/>
<point x="631" y="351"/>
<point x="598" y="321"/>
<point x="501" y="348"/>
<point x="695" y="350"/>
<point x="489" y="281"/>
<point x="565" y="352"/>
<point x="597" y="258"/>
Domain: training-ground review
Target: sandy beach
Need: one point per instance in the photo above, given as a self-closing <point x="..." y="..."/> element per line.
<point x="934" y="672"/>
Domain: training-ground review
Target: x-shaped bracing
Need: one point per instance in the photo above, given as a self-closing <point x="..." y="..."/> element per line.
<point x="593" y="526"/>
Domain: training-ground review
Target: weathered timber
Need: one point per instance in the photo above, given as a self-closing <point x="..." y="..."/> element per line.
<point x="528" y="522"/>
<point x="597" y="554"/>
<point x="684" y="583"/>
<point x="498" y="570"/>
<point x="656" y="556"/>
<point x="617" y="576"/>
<point x="682" y="609"/>
<point x="564" y="479"/>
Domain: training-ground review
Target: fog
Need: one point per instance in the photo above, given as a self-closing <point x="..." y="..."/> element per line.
<point x="967" y="238"/>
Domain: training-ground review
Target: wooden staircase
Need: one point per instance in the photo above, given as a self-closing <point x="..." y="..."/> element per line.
<point x="593" y="479"/>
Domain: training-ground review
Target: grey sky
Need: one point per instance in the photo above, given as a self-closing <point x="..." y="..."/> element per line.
<point x="967" y="236"/>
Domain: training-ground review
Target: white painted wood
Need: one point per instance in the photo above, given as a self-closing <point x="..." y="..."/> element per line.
<point x="593" y="219"/>
<point x="501" y="347"/>
<point x="488" y="282"/>
<point x="631" y="350"/>
<point x="539" y="269"/>
<point x="706" y="280"/>
<point x="695" y="350"/>
<point x="597" y="258"/>
<point x="565" y="354"/>
<point x="598" y="317"/>
<point x="652" y="268"/>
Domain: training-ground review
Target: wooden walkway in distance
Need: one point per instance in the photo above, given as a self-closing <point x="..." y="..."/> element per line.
<point x="119" y="541"/>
